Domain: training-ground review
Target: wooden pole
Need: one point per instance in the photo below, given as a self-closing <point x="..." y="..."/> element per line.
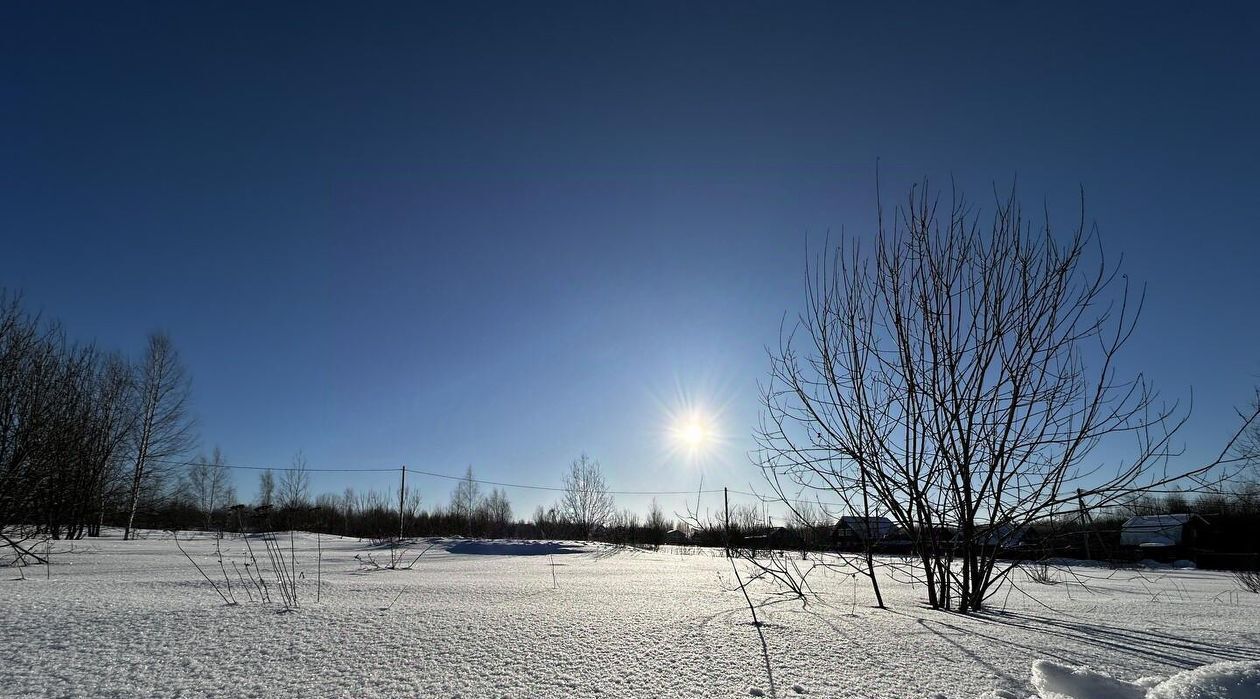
<point x="1080" y="499"/>
<point x="726" y="507"/>
<point x="402" y="490"/>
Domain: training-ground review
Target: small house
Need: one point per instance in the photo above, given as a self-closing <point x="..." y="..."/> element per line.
<point x="676" y="536"/>
<point x="1162" y="537"/>
<point x="1009" y="538"/>
<point x="771" y="539"/>
<point x="859" y="533"/>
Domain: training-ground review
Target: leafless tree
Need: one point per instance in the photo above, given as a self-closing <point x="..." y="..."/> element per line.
<point x="1248" y="449"/>
<point x="546" y="520"/>
<point x="498" y="512"/>
<point x="208" y="484"/>
<point x="65" y="421"/>
<point x="82" y="432"/>
<point x="266" y="488"/>
<point x="115" y="417"/>
<point x="465" y="498"/>
<point x="959" y="378"/>
<point x="19" y="338"/>
<point x="294" y="490"/>
<point x="586" y="502"/>
<point x="657" y="524"/>
<point x="164" y="427"/>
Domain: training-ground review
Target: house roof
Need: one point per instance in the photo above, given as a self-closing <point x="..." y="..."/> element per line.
<point x="1157" y="520"/>
<point x="1005" y="535"/>
<point x="879" y="527"/>
<point x="1154" y="530"/>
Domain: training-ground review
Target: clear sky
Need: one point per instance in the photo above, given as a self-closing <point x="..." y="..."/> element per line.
<point x="500" y="234"/>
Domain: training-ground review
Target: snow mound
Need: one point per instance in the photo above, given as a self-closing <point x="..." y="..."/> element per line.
<point x="1055" y="681"/>
<point x="1231" y="680"/>
<point x="1238" y="680"/>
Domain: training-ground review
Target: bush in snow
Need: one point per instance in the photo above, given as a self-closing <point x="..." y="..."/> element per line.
<point x="1248" y="580"/>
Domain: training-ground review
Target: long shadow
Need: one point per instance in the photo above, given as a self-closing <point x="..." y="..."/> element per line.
<point x="958" y="634"/>
<point x="1154" y="645"/>
<point x="609" y="551"/>
<point x="509" y="548"/>
<point x="926" y="624"/>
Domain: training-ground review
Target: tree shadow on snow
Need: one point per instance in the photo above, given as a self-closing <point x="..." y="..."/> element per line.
<point x="509" y="548"/>
<point x="1175" y="650"/>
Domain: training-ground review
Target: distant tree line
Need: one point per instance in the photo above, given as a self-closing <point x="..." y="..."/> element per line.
<point x="584" y="511"/>
<point x="88" y="437"/>
<point x="91" y="438"/>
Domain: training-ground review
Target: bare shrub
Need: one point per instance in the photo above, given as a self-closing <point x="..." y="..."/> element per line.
<point x="280" y="574"/>
<point x="400" y="557"/>
<point x="1039" y="572"/>
<point x="1248" y="580"/>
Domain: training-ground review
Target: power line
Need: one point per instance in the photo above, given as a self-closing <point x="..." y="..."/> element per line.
<point x="277" y="468"/>
<point x="434" y="474"/>
<point x="555" y="489"/>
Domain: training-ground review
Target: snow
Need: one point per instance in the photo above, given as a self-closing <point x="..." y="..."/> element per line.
<point x="1056" y="681"/>
<point x="1239" y="680"/>
<point x="488" y="619"/>
<point x="1225" y="680"/>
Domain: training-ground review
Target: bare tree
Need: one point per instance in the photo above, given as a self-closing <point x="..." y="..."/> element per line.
<point x="164" y="428"/>
<point x="412" y="499"/>
<point x="959" y="378"/>
<point x="19" y="340"/>
<point x="266" y="488"/>
<point x="1248" y="449"/>
<point x="464" y="500"/>
<point x="294" y="490"/>
<point x="546" y="520"/>
<point x="208" y="484"/>
<point x="586" y="502"/>
<point x="65" y="422"/>
<point x="498" y="511"/>
<point x="657" y="524"/>
<point x="115" y="417"/>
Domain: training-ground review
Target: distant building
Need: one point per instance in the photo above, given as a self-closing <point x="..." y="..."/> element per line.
<point x="772" y="538"/>
<point x="1162" y="537"/>
<point x="676" y="536"/>
<point x="1006" y="537"/>
<point x="852" y="533"/>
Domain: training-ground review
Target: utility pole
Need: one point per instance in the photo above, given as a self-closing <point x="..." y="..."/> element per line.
<point x="402" y="491"/>
<point x="726" y="508"/>
<point x="1080" y="499"/>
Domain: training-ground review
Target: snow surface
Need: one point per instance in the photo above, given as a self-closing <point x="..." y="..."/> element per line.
<point x="485" y="619"/>
<point x="1226" y="680"/>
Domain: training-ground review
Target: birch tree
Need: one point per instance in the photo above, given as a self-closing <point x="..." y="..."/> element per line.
<point x="164" y="427"/>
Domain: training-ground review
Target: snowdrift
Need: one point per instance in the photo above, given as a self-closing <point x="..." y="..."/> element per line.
<point x="1228" y="680"/>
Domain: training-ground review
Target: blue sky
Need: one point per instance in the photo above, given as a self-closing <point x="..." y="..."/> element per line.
<point x="501" y="234"/>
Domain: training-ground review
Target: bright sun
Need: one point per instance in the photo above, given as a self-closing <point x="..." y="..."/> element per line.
<point x="692" y="433"/>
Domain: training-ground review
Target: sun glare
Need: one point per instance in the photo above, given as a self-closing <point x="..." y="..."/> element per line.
<point x="691" y="429"/>
<point x="692" y="433"/>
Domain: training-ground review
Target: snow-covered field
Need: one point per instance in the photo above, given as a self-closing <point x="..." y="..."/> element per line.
<point x="476" y="619"/>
